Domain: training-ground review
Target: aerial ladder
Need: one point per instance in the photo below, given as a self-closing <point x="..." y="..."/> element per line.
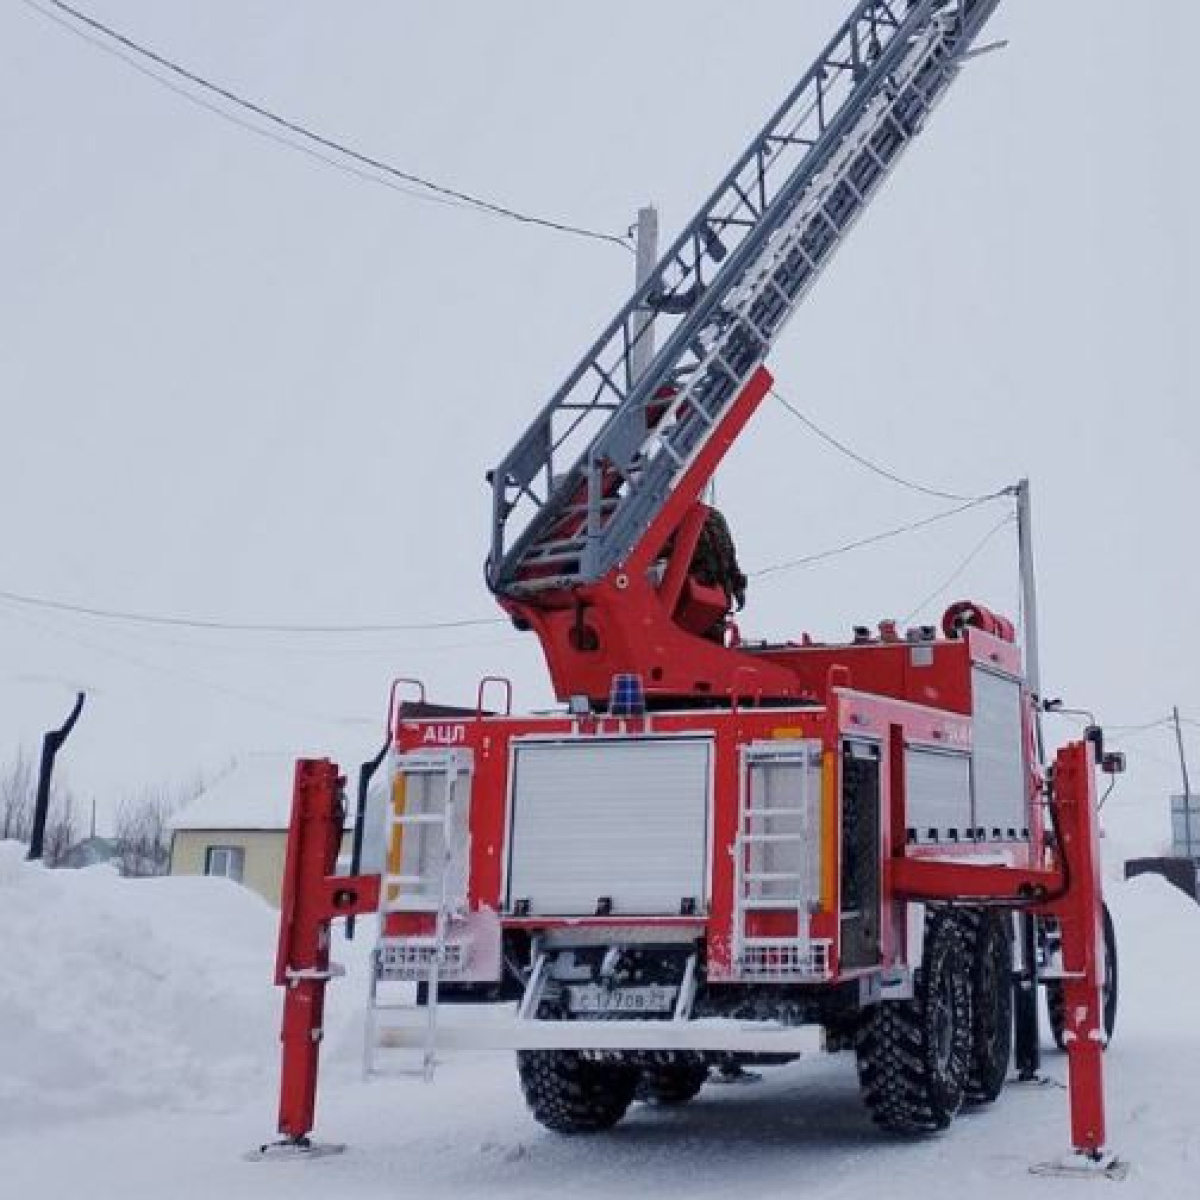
<point x="595" y="513"/>
<point x="717" y="843"/>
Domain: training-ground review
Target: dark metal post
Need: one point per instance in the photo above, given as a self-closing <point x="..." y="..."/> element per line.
<point x="1028" y="1049"/>
<point x="365" y="773"/>
<point x="51" y="744"/>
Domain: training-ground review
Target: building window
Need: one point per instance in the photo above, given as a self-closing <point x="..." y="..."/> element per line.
<point x="227" y="861"/>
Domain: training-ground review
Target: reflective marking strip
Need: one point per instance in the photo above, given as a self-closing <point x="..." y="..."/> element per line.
<point x="396" y="848"/>
<point x="829" y="834"/>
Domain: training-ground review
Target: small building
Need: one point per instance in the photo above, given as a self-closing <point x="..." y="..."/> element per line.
<point x="237" y="827"/>
<point x="1185" y="826"/>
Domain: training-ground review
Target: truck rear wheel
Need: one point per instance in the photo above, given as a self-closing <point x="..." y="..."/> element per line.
<point x="571" y="1093"/>
<point x="670" y="1085"/>
<point x="1056" y="1005"/>
<point x="990" y="949"/>
<point x="914" y="1056"/>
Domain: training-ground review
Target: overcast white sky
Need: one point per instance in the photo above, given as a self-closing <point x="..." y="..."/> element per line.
<point x="239" y="384"/>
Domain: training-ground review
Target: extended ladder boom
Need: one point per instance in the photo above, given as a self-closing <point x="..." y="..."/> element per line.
<point x="584" y="484"/>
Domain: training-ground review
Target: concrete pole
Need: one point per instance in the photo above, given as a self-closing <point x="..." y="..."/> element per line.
<point x="1033" y="661"/>
<point x="646" y="259"/>
<point x="1027" y="1049"/>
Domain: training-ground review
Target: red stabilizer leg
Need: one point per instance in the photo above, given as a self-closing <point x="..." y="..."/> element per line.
<point x="1080" y="912"/>
<point x="302" y="966"/>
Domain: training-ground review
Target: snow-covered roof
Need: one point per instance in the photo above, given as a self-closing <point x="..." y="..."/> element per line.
<point x="256" y="793"/>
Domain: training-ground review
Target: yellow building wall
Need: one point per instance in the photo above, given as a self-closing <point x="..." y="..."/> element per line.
<point x="264" y="851"/>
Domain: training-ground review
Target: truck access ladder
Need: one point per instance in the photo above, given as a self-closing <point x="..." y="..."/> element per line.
<point x="775" y="863"/>
<point x="425" y="872"/>
<point x="581" y="488"/>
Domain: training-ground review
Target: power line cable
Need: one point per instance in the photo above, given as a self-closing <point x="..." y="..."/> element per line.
<point x="114" y="38"/>
<point x="863" y="461"/>
<point x="141" y="618"/>
<point x="886" y="535"/>
<point x="1126" y="730"/>
<point x="188" y="677"/>
<point x="190" y="96"/>
<point x="961" y="569"/>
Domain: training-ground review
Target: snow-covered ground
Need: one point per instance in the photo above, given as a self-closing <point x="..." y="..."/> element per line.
<point x="138" y="1057"/>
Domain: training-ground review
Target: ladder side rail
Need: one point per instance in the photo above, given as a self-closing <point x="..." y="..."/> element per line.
<point x="441" y="917"/>
<point x="738" y="946"/>
<point x="807" y="860"/>
<point x="698" y="243"/>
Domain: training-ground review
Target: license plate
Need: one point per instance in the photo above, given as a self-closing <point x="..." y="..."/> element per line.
<point x="591" y="998"/>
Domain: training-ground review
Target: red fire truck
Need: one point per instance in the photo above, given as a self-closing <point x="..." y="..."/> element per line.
<point x="718" y="851"/>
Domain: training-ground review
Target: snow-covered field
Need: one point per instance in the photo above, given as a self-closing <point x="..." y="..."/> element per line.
<point x="138" y="1057"/>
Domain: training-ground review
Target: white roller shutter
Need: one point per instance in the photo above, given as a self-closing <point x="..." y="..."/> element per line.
<point x="618" y="822"/>
<point x="1000" y="772"/>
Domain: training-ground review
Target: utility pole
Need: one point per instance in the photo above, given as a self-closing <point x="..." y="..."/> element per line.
<point x="1187" y="788"/>
<point x="645" y="235"/>
<point x="1027" y="1050"/>
<point x="1033" y="661"/>
<point x="51" y="744"/>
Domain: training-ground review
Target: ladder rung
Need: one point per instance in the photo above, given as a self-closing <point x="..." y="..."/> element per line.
<point x="773" y="877"/>
<point x="419" y="819"/>
<point x="552" y="558"/>
<point x="773" y="837"/>
<point x="580" y="510"/>
<point x="531" y="587"/>
<point x="544" y="556"/>
<point x="776" y="812"/>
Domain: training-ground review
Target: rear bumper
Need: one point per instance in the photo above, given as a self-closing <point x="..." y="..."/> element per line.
<point x="501" y="1029"/>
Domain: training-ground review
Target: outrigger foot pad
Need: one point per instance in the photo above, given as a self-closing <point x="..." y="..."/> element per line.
<point x="293" y="1148"/>
<point x="1084" y="1166"/>
<point x="1043" y="1081"/>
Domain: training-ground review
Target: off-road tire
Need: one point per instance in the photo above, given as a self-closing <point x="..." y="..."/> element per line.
<point x="570" y="1093"/>
<point x="1110" y="992"/>
<point x="671" y="1084"/>
<point x="989" y="944"/>
<point x="914" y="1056"/>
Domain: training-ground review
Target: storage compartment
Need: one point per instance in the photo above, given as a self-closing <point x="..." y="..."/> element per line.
<point x="605" y="826"/>
<point x="938" y="795"/>
<point x="861" y="855"/>
<point x="999" y="775"/>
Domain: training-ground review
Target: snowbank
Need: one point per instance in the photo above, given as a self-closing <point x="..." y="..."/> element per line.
<point x="1158" y="939"/>
<point x="118" y="993"/>
<point x="122" y="995"/>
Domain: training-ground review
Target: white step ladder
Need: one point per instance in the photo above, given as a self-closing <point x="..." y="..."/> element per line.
<point x="777" y="860"/>
<point x="423" y="873"/>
